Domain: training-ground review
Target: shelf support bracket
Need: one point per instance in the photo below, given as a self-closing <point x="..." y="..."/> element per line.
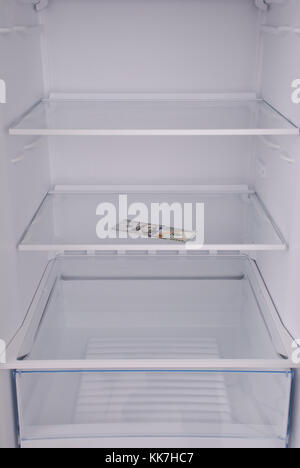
<point x="40" y="4"/>
<point x="37" y="4"/>
<point x="261" y="4"/>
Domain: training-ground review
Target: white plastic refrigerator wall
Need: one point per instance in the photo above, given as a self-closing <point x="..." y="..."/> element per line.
<point x="166" y="99"/>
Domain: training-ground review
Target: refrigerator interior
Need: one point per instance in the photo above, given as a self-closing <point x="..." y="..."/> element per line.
<point x="181" y="96"/>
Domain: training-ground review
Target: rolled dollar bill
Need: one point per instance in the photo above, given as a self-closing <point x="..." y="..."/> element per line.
<point x="154" y="231"/>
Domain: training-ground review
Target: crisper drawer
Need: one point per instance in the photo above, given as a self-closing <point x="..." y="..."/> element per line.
<point x="152" y="312"/>
<point x="153" y="408"/>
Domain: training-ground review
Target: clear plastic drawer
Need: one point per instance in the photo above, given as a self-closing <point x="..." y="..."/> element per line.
<point x="111" y="408"/>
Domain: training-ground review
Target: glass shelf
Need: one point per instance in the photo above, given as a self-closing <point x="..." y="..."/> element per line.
<point x="234" y="220"/>
<point x="150" y="117"/>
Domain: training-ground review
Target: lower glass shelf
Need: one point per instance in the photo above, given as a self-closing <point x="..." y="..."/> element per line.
<point x="85" y="219"/>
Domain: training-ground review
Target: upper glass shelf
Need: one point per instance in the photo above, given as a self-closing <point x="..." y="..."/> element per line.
<point x="152" y="117"/>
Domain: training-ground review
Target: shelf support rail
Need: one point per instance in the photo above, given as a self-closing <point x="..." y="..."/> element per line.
<point x="284" y="155"/>
<point x="20" y="29"/>
<point x="280" y="30"/>
<point x="30" y="146"/>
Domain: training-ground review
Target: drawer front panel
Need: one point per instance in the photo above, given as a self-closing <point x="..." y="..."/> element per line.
<point x="186" y="405"/>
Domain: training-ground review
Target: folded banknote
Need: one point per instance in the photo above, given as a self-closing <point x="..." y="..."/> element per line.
<point x="154" y="231"/>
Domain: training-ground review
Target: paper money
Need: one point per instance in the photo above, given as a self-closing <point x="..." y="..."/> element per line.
<point x="154" y="231"/>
